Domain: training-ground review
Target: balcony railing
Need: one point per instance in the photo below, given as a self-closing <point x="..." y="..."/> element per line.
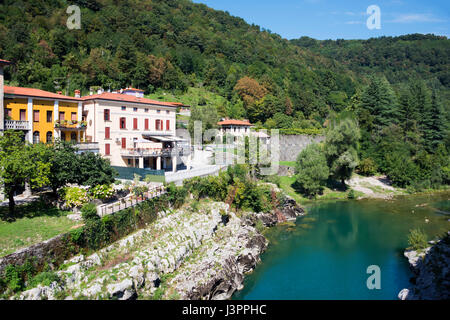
<point x="70" y="124"/>
<point x="152" y="152"/>
<point x="87" y="146"/>
<point x="17" y="125"/>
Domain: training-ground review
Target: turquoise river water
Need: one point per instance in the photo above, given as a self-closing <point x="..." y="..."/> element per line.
<point x="326" y="254"/>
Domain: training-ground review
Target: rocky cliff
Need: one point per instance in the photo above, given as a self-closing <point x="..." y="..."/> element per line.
<point x="431" y="269"/>
<point x="186" y="254"/>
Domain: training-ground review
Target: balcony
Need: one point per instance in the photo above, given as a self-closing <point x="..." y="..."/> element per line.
<point x="17" y="125"/>
<point x="88" y="146"/>
<point x="70" y="125"/>
<point x="151" y="152"/>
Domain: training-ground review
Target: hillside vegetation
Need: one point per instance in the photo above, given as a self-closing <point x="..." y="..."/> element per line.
<point x="397" y="88"/>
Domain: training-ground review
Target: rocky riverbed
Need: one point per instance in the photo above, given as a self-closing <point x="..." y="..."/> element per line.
<point x="431" y="269"/>
<point x="201" y="253"/>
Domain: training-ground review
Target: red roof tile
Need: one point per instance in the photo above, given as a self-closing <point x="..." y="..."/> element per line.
<point x="127" y="98"/>
<point x="32" y="92"/>
<point x="234" y="122"/>
<point x="133" y="89"/>
<point x="3" y="62"/>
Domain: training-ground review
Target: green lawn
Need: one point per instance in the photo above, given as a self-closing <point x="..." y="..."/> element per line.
<point x="328" y="194"/>
<point x="35" y="223"/>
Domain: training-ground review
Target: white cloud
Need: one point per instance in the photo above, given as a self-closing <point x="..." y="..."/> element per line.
<point x="415" y="17"/>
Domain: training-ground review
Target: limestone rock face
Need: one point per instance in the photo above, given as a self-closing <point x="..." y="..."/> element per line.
<point x="431" y="269"/>
<point x="291" y="210"/>
<point x="185" y="254"/>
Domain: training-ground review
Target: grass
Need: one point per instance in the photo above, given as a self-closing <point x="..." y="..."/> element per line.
<point x="328" y="194"/>
<point x="287" y="163"/>
<point x="192" y="97"/>
<point x="34" y="223"/>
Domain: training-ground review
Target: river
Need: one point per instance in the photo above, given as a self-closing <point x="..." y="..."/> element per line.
<point x="326" y="254"/>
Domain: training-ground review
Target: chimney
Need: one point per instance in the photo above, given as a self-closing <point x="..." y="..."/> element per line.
<point x="77" y="94"/>
<point x="59" y="92"/>
<point x="100" y="91"/>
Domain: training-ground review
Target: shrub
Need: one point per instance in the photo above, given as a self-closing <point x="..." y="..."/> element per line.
<point x="351" y="195"/>
<point x="367" y="167"/>
<point x="89" y="212"/>
<point x="417" y="239"/>
<point x="74" y="196"/>
<point x="44" y="278"/>
<point x="102" y="192"/>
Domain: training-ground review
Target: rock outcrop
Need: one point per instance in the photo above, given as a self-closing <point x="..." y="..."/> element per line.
<point x="186" y="254"/>
<point x="431" y="270"/>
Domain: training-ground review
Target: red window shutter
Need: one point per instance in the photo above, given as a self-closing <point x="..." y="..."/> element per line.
<point x="107" y="149"/>
<point x="124" y="143"/>
<point x="135" y="123"/>
<point x="167" y="125"/>
<point x="157" y="124"/>
<point x="123" y="123"/>
<point x="106" y="115"/>
<point x="146" y="124"/>
<point x="162" y="124"/>
<point x="107" y="132"/>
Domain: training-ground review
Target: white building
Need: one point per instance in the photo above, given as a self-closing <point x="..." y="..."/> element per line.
<point x="133" y="131"/>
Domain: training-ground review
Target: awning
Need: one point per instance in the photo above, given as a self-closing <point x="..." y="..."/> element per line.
<point x="163" y="138"/>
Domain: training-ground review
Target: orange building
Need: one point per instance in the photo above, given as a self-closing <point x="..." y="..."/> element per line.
<point x="42" y="115"/>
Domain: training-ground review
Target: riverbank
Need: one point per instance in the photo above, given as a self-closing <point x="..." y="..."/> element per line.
<point x="431" y="272"/>
<point x="201" y="253"/>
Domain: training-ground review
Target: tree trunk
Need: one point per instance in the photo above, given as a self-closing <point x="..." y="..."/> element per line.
<point x="12" y="204"/>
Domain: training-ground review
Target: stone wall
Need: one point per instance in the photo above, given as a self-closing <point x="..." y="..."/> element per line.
<point x="48" y="251"/>
<point x="292" y="145"/>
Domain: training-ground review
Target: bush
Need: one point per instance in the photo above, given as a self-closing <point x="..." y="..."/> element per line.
<point x="102" y="192"/>
<point x="43" y="278"/>
<point x="89" y="212"/>
<point x="417" y="239"/>
<point x="351" y="195"/>
<point x="367" y="167"/>
<point x="74" y="196"/>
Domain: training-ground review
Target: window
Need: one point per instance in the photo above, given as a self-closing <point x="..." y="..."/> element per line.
<point x="49" y="137"/>
<point x="162" y="124"/>
<point x="23" y="115"/>
<point x="63" y="136"/>
<point x="61" y="116"/>
<point x="73" y="116"/>
<point x="158" y="111"/>
<point x="167" y="111"/>
<point x="107" y="133"/>
<point x="123" y="123"/>
<point x="135" y="123"/>
<point x="167" y="125"/>
<point x="157" y="125"/>
<point x="8" y="113"/>
<point x="107" y="149"/>
<point x="106" y="115"/>
<point x="135" y="109"/>
<point x="146" y="124"/>
<point x="36" y="137"/>
<point x="124" y="108"/>
<point x="146" y="110"/>
<point x="49" y="116"/>
<point x="124" y="143"/>
<point x="73" y="136"/>
<point x="36" y="116"/>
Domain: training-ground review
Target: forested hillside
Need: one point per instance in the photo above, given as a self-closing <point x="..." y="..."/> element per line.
<point x="396" y="88"/>
<point x="168" y="44"/>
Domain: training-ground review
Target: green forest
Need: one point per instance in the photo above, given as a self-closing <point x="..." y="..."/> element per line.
<point x="397" y="88"/>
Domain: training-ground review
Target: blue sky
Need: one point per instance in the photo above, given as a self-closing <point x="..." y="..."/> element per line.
<point x="327" y="19"/>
